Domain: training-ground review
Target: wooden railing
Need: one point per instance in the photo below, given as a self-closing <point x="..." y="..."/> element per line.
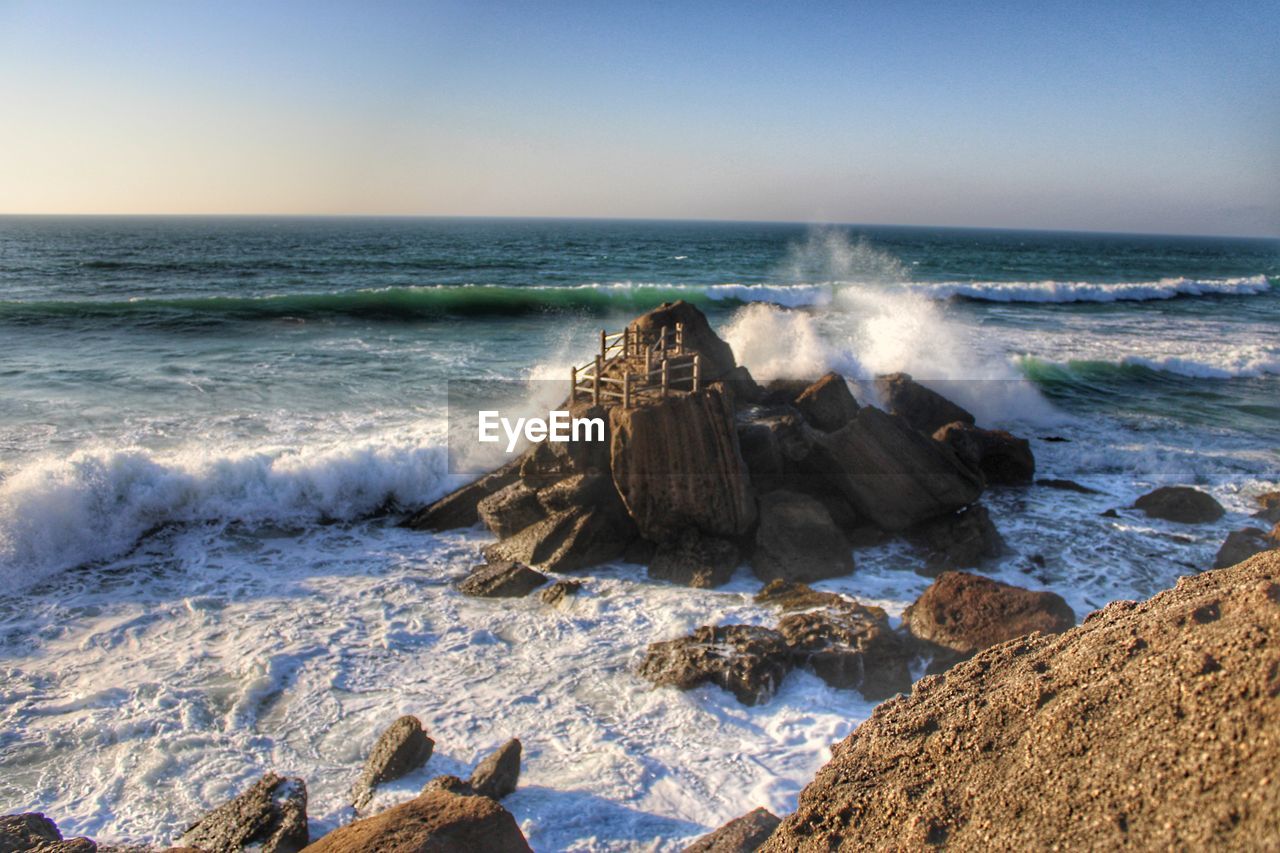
<point x="635" y="365"/>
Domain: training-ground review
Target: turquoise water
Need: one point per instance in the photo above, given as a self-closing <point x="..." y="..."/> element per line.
<point x="261" y="397"/>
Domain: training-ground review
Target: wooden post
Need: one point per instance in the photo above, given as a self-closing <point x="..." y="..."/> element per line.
<point x="697" y="371"/>
<point x="626" y="390"/>
<point x="662" y="340"/>
<point x="595" y="390"/>
<point x="573" y="385"/>
<point x="602" y="336"/>
<point x="648" y="362"/>
<point x="664" y="378"/>
<point x="679" y="338"/>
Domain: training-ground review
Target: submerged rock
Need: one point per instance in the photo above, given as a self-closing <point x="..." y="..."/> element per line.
<point x="1003" y="458"/>
<point x="1182" y="504"/>
<point x="271" y="815"/>
<point x="827" y="403"/>
<point x="797" y="540"/>
<point x="741" y="835"/>
<point x="503" y="579"/>
<point x="402" y="748"/>
<point x="1066" y="486"/>
<point x="694" y="559"/>
<point x="925" y="409"/>
<point x="962" y="540"/>
<point x="559" y="591"/>
<point x="436" y="820"/>
<point x="1242" y="544"/>
<point x="498" y="774"/>
<point x="747" y="660"/>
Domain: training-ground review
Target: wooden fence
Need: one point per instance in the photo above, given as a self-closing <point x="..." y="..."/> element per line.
<point x="634" y="365"/>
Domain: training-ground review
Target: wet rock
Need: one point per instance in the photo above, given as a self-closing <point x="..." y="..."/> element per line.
<point x="783" y="392"/>
<point x="559" y="591"/>
<point x="497" y="775"/>
<point x="26" y="831"/>
<point x="850" y="646"/>
<point x="676" y="464"/>
<point x="459" y="508"/>
<point x="694" y="559"/>
<point x="450" y="783"/>
<point x="963" y="613"/>
<point x="797" y="540"/>
<point x="772" y="442"/>
<point x="741" y="835"/>
<point x="1182" y="504"/>
<point x="508" y="511"/>
<point x="827" y="403"/>
<point x="716" y="356"/>
<point x="503" y="579"/>
<point x="747" y="660"/>
<point x="271" y="814"/>
<point x="402" y="748"/>
<point x="925" y="409"/>
<point x="1066" y="486"/>
<point x="1242" y="544"/>
<point x="792" y="595"/>
<point x="959" y="541"/>
<point x="1269" y="507"/>
<point x="549" y="462"/>
<point x="568" y="540"/>
<point x="1003" y="458"/>
<point x="892" y="475"/>
<point x="437" y="820"/>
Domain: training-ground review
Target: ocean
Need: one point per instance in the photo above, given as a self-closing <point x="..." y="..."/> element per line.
<point x="210" y="427"/>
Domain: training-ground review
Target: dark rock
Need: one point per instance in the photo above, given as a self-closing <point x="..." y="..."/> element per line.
<point x="772" y="442"/>
<point x="508" y="511"/>
<point x="742" y="386"/>
<point x="716" y="356"/>
<point x="827" y="403"/>
<point x="923" y="408"/>
<point x="559" y="591"/>
<point x="695" y="560"/>
<point x="568" y="540"/>
<point x="892" y="475"/>
<point x="783" y="392"/>
<point x="1109" y="513"/>
<point x="459" y="508"/>
<point x="26" y="832"/>
<point x="797" y="540"/>
<point x="747" y="660"/>
<point x="741" y="835"/>
<point x="450" y="783"/>
<point x="676" y="464"/>
<point x="1269" y="503"/>
<point x="1242" y="544"/>
<point x="1182" y="504"/>
<point x="402" y="748"/>
<point x="1067" y="486"/>
<point x="272" y="814"/>
<point x="437" y="821"/>
<point x="1003" y="458"/>
<point x="792" y="595"/>
<point x="959" y="541"/>
<point x="504" y="579"/>
<point x="548" y="462"/>
<point x="963" y="613"/>
<point x="850" y="646"/>
<point x="497" y="775"/>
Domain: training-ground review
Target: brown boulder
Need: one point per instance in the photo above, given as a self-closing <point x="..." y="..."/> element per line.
<point x="271" y="815"/>
<point x="436" y="821"/>
<point x="503" y="579"/>
<point x="747" y="660"/>
<point x="783" y="392"/>
<point x="402" y="748"/>
<point x="797" y="540"/>
<point x="694" y="559"/>
<point x="676" y="464"/>
<point x="1242" y="544"/>
<point x="568" y="540"/>
<point x="559" y="591"/>
<point x="459" y="508"/>
<point x="850" y="646"/>
<point x="549" y="462"/>
<point x="1269" y="507"/>
<point x="716" y="356"/>
<point x="1003" y="458"/>
<point x="497" y="775"/>
<point x="827" y="403"/>
<point x="508" y="511"/>
<point x="962" y="540"/>
<point x="772" y="442"/>
<point x="1182" y="504"/>
<point x="792" y="595"/>
<point x="923" y="408"/>
<point x="892" y="475"/>
<point x="26" y="832"/>
<point x="963" y="613"/>
<point x="741" y="835"/>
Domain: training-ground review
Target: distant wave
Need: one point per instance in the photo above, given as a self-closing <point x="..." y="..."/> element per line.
<point x="1230" y="365"/>
<point x="1088" y="291"/>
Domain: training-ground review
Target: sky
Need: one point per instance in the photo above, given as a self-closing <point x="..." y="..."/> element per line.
<point x="1144" y="117"/>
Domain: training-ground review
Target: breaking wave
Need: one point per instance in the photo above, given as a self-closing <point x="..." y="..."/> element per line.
<point x="1088" y="291"/>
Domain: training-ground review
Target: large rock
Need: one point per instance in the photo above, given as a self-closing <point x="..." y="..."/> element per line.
<point x="773" y="442"/>
<point x="741" y="835"/>
<point x="549" y="462"/>
<point x="1003" y="458"/>
<point x="1152" y="726"/>
<point x="797" y="540"/>
<point x="271" y="816"/>
<point x="747" y="660"/>
<point x="568" y="540"/>
<point x="437" y="821"/>
<point x="499" y="773"/>
<point x="508" y="511"/>
<point x="963" y="613"/>
<point x="459" y="508"/>
<point x="1242" y="544"/>
<point x="402" y="748"/>
<point x="923" y="408"/>
<point x="715" y="355"/>
<point x="1269" y="507"/>
<point x="1182" y="504"/>
<point x="850" y="646"/>
<point x="827" y="403"/>
<point x="694" y="559"/>
<point x="503" y="579"/>
<point x="962" y="540"/>
<point x="676" y="464"/>
<point x="26" y="832"/>
<point x="893" y="475"/>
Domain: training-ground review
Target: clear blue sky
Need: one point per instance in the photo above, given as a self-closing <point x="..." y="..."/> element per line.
<point x="1111" y="116"/>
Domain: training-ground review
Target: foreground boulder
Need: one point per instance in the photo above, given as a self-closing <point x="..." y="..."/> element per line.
<point x="402" y="748"/>
<point x="923" y="408"/>
<point x="694" y="559"/>
<point x="747" y="660"/>
<point x="1003" y="458"/>
<point x="962" y="540"/>
<point x="827" y="403"/>
<point x="1150" y="726"/>
<point x="797" y="540"/>
<point x="504" y="579"/>
<point x="1182" y="504"/>
<point x="962" y="613"/>
<point x="499" y="773"/>
<point x="436" y="820"/>
<point x="271" y="816"/>
<point x="741" y="835"/>
<point x="1242" y="544"/>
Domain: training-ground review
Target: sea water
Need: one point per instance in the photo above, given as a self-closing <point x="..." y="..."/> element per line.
<point x="210" y="427"/>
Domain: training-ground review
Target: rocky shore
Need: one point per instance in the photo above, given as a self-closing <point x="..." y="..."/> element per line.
<point x="1152" y="724"/>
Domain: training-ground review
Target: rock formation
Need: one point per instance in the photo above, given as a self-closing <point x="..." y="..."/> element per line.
<point x="1242" y="544"/>
<point x="1182" y="504"/>
<point x="925" y="409"/>
<point x="271" y="815"/>
<point x="797" y="540"/>
<point x="748" y="661"/>
<point x="436" y="820"/>
<point x="498" y="774"/>
<point x="559" y="591"/>
<point x="1002" y="458"/>
<point x="741" y="835"/>
<point x="402" y="748"/>
<point x="504" y="579"/>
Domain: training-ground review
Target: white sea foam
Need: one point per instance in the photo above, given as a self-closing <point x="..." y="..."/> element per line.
<point x="1087" y="291"/>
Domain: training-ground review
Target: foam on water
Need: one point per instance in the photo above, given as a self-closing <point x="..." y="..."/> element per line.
<point x="1088" y="291"/>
